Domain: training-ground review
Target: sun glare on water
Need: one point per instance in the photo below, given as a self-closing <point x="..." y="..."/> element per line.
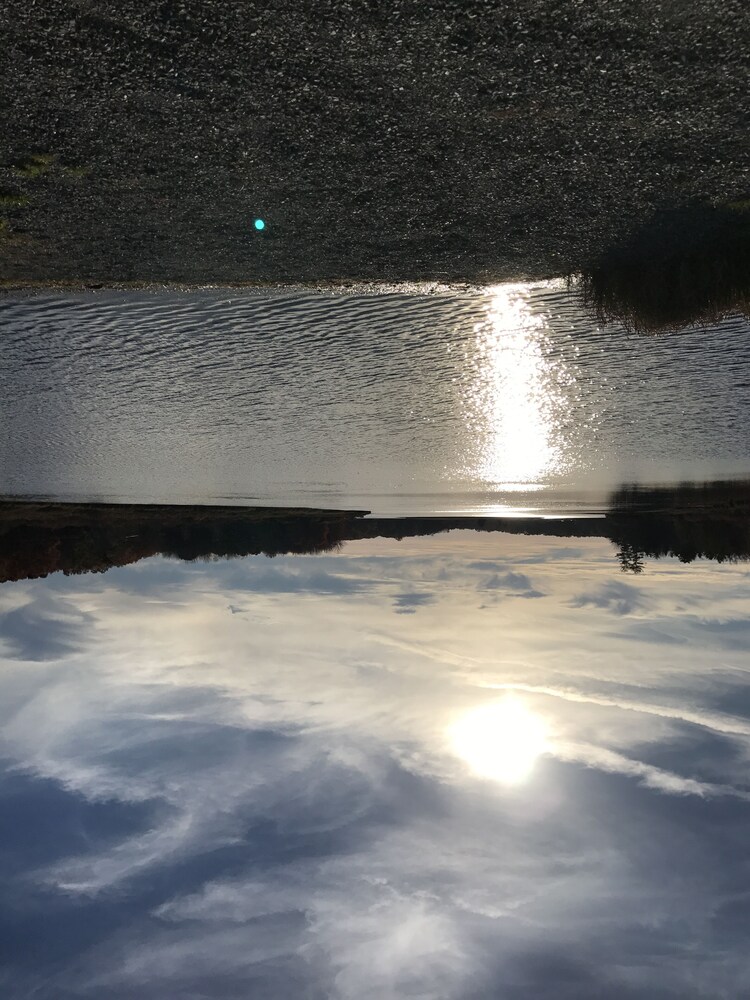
<point x="500" y="741"/>
<point x="514" y="401"/>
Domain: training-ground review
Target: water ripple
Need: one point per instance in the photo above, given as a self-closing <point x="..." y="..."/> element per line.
<point x="291" y="396"/>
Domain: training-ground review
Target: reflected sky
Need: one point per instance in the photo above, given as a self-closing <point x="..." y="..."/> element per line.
<point x="463" y="766"/>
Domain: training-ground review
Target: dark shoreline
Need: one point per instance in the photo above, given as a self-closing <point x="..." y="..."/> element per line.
<point x="41" y="537"/>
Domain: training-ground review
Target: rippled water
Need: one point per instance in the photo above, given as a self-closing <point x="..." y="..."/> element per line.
<point x="402" y="402"/>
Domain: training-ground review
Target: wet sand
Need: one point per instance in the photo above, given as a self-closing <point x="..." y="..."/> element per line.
<point x="455" y="142"/>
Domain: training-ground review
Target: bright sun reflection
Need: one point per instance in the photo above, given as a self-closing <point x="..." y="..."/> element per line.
<point x="500" y="741"/>
<point x="513" y="397"/>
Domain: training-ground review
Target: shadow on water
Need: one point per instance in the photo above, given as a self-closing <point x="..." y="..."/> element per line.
<point x="689" y="521"/>
<point x="686" y="268"/>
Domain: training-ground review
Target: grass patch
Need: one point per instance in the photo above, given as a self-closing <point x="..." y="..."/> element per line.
<point x="10" y="199"/>
<point x="40" y="164"/>
<point x="34" y="165"/>
<point x="74" y="172"/>
<point x="693" y="274"/>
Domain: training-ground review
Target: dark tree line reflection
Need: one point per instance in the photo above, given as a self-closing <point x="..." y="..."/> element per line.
<point x="685" y="268"/>
<point x="689" y="521"/>
<point x="710" y="521"/>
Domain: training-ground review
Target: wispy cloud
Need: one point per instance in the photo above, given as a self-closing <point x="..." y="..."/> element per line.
<point x="653" y="777"/>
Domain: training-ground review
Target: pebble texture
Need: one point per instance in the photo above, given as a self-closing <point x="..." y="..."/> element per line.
<point x="390" y="141"/>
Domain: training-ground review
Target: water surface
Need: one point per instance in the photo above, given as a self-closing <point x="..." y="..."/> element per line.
<point x="510" y="399"/>
<point x="456" y="767"/>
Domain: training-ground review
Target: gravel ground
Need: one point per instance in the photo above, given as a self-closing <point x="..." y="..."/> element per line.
<point x="380" y="140"/>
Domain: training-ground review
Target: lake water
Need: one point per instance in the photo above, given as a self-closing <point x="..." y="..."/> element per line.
<point x="452" y="768"/>
<point x="462" y="766"/>
<point x="507" y="399"/>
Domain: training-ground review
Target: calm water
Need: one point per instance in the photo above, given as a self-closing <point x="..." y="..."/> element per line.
<point x="458" y="767"/>
<point x="400" y="403"/>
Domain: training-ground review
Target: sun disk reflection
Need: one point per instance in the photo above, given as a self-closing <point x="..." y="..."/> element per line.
<point x="500" y="741"/>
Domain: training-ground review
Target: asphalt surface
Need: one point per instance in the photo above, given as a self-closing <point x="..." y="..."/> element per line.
<point x="385" y="141"/>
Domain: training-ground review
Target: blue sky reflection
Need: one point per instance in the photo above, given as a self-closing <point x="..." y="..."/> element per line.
<point x="284" y="777"/>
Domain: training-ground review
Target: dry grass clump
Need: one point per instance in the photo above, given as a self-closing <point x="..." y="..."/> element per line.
<point x="693" y="276"/>
<point x="34" y="165"/>
<point x="11" y="199"/>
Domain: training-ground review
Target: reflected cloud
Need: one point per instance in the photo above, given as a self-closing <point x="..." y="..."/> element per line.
<point x="406" y="604"/>
<point x="44" y="629"/>
<point x="615" y="596"/>
<point x="284" y="800"/>
<point x="652" y="777"/>
<point x="515" y="583"/>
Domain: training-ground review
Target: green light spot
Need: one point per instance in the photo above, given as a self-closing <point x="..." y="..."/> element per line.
<point x="260" y="224"/>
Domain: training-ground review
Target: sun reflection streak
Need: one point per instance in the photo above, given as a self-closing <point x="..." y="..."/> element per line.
<point x="514" y="398"/>
<point x="500" y="741"/>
